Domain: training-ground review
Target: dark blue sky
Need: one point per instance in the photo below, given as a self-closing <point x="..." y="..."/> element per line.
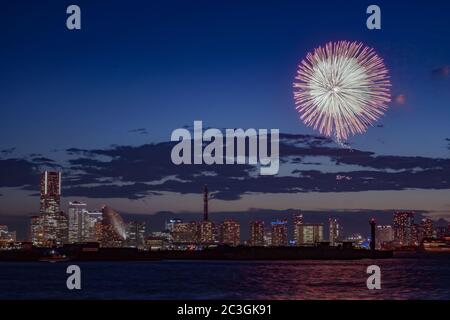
<point x="160" y="65"/>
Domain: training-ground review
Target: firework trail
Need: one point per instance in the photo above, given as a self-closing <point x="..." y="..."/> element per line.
<point x="341" y="89"/>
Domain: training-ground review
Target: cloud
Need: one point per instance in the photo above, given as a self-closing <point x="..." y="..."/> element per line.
<point x="43" y="161"/>
<point x="135" y="172"/>
<point x="7" y="152"/>
<point x="139" y="131"/>
<point x="18" y="173"/>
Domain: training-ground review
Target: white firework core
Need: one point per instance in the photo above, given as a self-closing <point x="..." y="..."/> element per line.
<point x="341" y="89"/>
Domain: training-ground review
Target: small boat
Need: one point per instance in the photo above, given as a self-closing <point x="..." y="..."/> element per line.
<point x="55" y="258"/>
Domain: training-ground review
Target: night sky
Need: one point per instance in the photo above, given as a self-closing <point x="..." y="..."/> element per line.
<point x="100" y="104"/>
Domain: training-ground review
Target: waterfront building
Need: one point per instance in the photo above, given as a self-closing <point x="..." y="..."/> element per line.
<point x="334" y="231"/>
<point x="309" y="234"/>
<point x="298" y="220"/>
<point x="7" y="237"/>
<point x="230" y="233"/>
<point x="92" y="226"/>
<point x="404" y="229"/>
<point x="185" y="233"/>
<point x="257" y="233"/>
<point x="77" y="221"/>
<point x="427" y="227"/>
<point x="384" y="237"/>
<point x="206" y="232"/>
<point x="36" y="231"/>
<point x="113" y="228"/>
<point x="135" y="234"/>
<point x="279" y="233"/>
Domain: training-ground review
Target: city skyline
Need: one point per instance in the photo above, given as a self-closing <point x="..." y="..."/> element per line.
<point x="106" y="227"/>
<point x="100" y="104"/>
<point x="51" y="210"/>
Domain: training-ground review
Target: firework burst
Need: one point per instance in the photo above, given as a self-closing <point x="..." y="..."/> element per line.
<point x="341" y="89"/>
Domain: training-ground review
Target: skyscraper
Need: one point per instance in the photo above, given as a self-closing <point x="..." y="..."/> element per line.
<point x="373" y="235"/>
<point x="62" y="229"/>
<point x="257" y="233"/>
<point x="404" y="229"/>
<point x="309" y="234"/>
<point x="54" y="222"/>
<point x="334" y="231"/>
<point x="135" y="234"/>
<point x="37" y="231"/>
<point x="77" y="221"/>
<point x="230" y="233"/>
<point x="279" y="233"/>
<point x="92" y="226"/>
<point x="50" y="192"/>
<point x="298" y="220"/>
<point x="206" y="232"/>
<point x="206" y="228"/>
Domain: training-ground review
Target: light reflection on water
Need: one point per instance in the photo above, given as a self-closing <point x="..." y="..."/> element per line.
<point x="401" y="279"/>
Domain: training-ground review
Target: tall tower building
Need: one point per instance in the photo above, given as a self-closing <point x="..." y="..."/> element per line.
<point x="334" y="231"/>
<point x="404" y="229"/>
<point x="205" y="203"/>
<point x="373" y="236"/>
<point x="206" y="227"/>
<point x="50" y="192"/>
<point x="257" y="233"/>
<point x="54" y="222"/>
<point x="298" y="220"/>
<point x="230" y="233"/>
